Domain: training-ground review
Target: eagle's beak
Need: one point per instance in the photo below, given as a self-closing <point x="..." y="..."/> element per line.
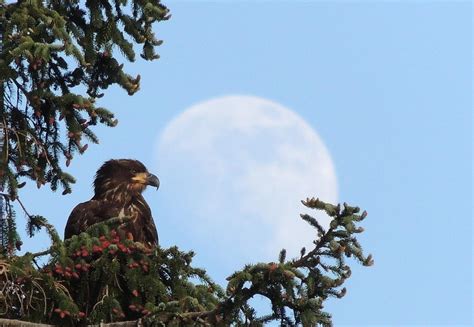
<point x="152" y="180"/>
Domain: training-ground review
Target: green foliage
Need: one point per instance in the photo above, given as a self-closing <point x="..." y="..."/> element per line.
<point x="56" y="57"/>
<point x="297" y="288"/>
<point x="50" y="49"/>
<point x="103" y="275"/>
<point x="9" y="238"/>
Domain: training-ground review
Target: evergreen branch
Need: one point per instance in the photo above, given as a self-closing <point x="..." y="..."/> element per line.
<point x="22" y="205"/>
<point x="155" y="283"/>
<point x="37" y="40"/>
<point x="40" y="254"/>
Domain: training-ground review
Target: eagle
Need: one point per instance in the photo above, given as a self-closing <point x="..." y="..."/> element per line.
<point x="118" y="188"/>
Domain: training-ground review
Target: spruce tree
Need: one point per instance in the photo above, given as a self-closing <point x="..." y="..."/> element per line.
<point x="56" y="58"/>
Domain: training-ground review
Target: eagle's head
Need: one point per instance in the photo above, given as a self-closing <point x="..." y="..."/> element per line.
<point x="123" y="177"/>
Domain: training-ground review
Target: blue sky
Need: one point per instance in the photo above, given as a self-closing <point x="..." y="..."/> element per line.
<point x="387" y="86"/>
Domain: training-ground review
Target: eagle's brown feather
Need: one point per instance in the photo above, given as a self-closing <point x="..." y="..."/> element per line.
<point x="118" y="193"/>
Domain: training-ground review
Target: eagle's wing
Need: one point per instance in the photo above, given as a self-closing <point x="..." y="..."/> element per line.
<point x="87" y="214"/>
<point x="142" y="226"/>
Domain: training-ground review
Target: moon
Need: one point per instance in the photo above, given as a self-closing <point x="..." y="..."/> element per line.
<point x="234" y="170"/>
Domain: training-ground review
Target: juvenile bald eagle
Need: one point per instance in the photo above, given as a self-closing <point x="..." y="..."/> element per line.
<point x="118" y="188"/>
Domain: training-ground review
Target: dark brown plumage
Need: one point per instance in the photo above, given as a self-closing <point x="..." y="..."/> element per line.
<point x="118" y="188"/>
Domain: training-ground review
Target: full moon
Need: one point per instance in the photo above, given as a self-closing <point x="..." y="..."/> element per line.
<point x="234" y="170"/>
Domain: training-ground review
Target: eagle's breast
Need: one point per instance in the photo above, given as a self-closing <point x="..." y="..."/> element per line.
<point x="141" y="225"/>
<point x="135" y="209"/>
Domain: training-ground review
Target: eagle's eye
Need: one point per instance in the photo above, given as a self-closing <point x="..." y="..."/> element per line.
<point x="133" y="171"/>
